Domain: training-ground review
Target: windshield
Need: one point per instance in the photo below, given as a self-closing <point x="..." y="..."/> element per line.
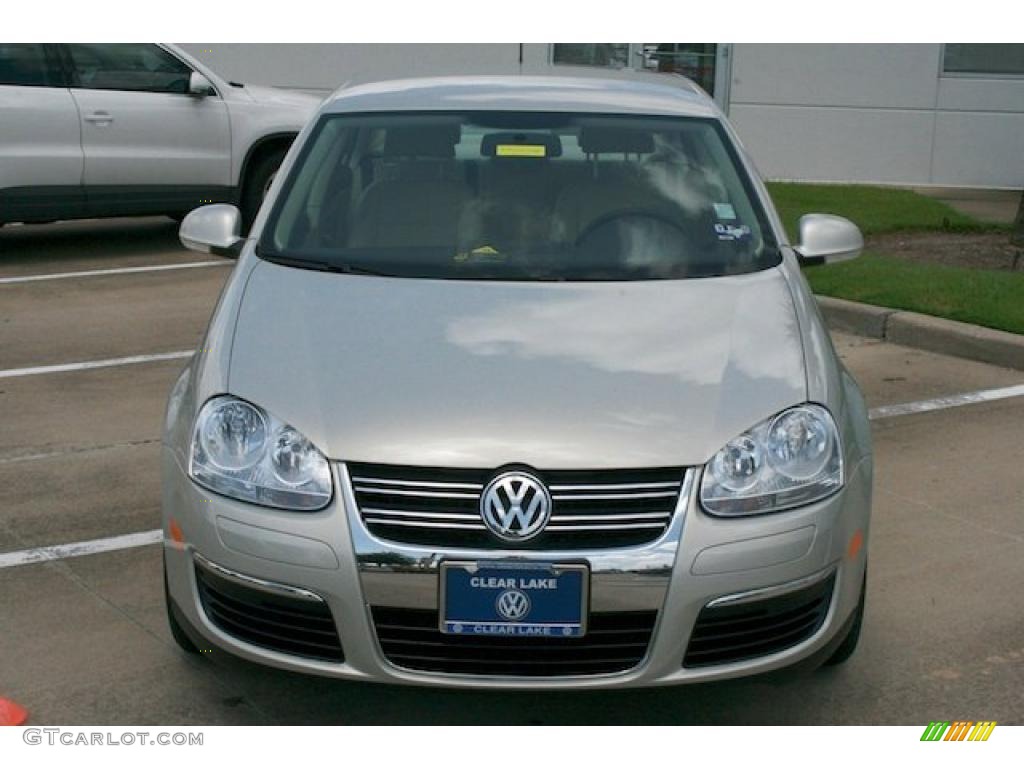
<point x="519" y="196"/>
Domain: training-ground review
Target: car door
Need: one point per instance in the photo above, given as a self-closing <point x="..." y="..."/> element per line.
<point x="148" y="142"/>
<point x="40" y="137"/>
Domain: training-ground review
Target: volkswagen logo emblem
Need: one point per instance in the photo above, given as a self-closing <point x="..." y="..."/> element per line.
<point x="515" y="506"/>
<point x="513" y="605"/>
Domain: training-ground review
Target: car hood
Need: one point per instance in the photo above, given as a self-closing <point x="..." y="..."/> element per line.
<point x="484" y="373"/>
<point x="283" y="97"/>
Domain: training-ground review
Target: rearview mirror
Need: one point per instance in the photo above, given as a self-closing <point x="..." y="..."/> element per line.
<point x="213" y="229"/>
<point x="826" y="239"/>
<point x="199" y="86"/>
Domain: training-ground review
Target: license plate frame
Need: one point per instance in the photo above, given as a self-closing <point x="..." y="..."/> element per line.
<point x="461" y="621"/>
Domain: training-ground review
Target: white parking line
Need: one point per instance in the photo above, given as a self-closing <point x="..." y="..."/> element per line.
<point x="144" y="538"/>
<point x="80" y="548"/>
<point x="117" y="271"/>
<point x="950" y="401"/>
<point x="11" y="373"/>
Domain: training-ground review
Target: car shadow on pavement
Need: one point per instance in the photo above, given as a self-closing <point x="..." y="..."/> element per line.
<point x="289" y="698"/>
<point x="88" y="240"/>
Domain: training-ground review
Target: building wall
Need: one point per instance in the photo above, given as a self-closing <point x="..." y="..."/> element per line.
<point x="864" y="113"/>
<point x="321" y="68"/>
<point x="875" y="113"/>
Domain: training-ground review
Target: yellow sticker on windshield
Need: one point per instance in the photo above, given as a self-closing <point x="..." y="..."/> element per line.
<point x="520" y="150"/>
<point x="481" y="253"/>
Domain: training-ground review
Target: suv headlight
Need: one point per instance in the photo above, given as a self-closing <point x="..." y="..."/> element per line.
<point x="791" y="459"/>
<point x="240" y="450"/>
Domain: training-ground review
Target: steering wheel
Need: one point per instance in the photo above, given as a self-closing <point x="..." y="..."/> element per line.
<point x="616" y="217"/>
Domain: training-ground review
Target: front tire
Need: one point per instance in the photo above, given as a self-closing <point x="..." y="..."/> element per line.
<point x="257" y="182"/>
<point x="846" y="648"/>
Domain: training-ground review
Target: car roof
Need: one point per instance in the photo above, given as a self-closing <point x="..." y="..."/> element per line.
<point x="623" y="92"/>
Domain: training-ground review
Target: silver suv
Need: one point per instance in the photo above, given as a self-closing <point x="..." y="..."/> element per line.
<point x="134" y="129"/>
<point x="517" y="383"/>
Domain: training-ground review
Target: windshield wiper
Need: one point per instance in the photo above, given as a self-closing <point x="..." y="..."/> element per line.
<point x="319" y="264"/>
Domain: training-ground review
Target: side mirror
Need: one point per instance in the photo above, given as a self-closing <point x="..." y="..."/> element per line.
<point x="826" y="239"/>
<point x="213" y="229"/>
<point x="199" y="86"/>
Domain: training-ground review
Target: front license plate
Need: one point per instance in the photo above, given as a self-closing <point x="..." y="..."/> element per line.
<point x="514" y="599"/>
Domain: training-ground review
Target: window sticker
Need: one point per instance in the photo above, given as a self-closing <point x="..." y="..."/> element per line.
<point x="481" y="254"/>
<point x="725" y="211"/>
<point x="520" y="150"/>
<point x="732" y="231"/>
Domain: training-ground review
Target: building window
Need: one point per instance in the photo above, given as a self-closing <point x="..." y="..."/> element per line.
<point x="983" y="59"/>
<point x="693" y="60"/>
<point x="614" y="55"/>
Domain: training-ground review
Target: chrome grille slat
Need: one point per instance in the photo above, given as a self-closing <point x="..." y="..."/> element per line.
<point x="425" y="524"/>
<point x="592" y="509"/>
<point x="373" y="511"/>
<point x="614" y="486"/>
<point x="608" y="527"/>
<point x="624" y="516"/>
<point x="425" y="494"/>
<point x="613" y="496"/>
<point x="417" y="483"/>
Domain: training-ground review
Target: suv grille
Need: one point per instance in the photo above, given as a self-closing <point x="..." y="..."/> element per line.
<point x="590" y="509"/>
<point x="740" y="632"/>
<point x="288" y="625"/>
<point x="614" y="642"/>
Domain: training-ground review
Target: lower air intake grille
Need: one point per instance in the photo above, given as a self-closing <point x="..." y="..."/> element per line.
<point x="288" y="625"/>
<point x="733" y="633"/>
<point x="614" y="642"/>
<point x="590" y="509"/>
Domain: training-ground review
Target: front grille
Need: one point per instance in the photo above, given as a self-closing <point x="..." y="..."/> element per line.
<point x="590" y="509"/>
<point x="614" y="642"/>
<point x="289" y="625"/>
<point x="733" y="633"/>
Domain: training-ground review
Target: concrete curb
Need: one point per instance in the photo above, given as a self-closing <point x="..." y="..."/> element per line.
<point x="934" y="334"/>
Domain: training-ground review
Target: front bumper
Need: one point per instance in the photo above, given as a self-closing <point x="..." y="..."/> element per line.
<point x="697" y="561"/>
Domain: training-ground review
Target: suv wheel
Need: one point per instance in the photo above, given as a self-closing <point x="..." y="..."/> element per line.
<point x="257" y="182"/>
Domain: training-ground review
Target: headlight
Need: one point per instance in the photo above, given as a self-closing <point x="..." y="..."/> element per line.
<point x="790" y="459"/>
<point x="242" y="451"/>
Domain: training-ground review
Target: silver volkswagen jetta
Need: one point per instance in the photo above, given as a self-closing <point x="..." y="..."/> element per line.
<point x="517" y="383"/>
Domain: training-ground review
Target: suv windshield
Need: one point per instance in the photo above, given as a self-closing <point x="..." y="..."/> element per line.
<point x="519" y="196"/>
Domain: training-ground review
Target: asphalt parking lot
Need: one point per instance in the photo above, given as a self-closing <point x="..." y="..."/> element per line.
<point x="84" y="639"/>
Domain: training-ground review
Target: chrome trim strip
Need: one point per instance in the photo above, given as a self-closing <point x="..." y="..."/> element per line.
<point x="418" y="483"/>
<point x="429" y="494"/>
<point x="429" y="515"/>
<point x="601" y="496"/>
<point x="270" y="587"/>
<point x="624" y="516"/>
<point x="618" y="527"/>
<point x="763" y="593"/>
<point x="423" y="524"/>
<point x="616" y="486"/>
<point x="439" y="520"/>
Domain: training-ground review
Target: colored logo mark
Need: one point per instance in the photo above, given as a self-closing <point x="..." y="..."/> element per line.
<point x="958" y="730"/>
